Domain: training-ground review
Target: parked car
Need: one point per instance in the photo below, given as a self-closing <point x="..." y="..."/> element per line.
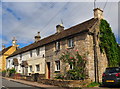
<point x="111" y="76"/>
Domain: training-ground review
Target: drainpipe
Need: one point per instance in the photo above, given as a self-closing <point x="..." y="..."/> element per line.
<point x="95" y="57"/>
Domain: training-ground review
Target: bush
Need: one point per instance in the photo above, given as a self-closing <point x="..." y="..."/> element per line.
<point x="4" y="73"/>
<point x="59" y="76"/>
<point x="12" y="71"/>
<point x="75" y="74"/>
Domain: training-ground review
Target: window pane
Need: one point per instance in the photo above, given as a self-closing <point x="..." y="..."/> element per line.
<point x="37" y="68"/>
<point x="30" y="68"/>
<point x="57" y="45"/>
<point x="70" y="42"/>
<point x="38" y="51"/>
<point x="57" y="65"/>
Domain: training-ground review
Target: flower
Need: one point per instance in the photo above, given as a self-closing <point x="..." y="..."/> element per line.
<point x="71" y="57"/>
<point x="76" y="59"/>
<point x="76" y="50"/>
<point x="66" y="49"/>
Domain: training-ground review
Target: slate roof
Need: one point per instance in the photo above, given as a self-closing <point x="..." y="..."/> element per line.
<point x="4" y="50"/>
<point x="82" y="27"/>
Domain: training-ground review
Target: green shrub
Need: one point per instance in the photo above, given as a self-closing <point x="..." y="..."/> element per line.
<point x="12" y="71"/>
<point x="78" y="62"/>
<point x="76" y="74"/>
<point x="94" y="84"/>
<point x="59" y="76"/>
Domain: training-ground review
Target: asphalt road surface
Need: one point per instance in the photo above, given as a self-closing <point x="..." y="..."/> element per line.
<point x="8" y="84"/>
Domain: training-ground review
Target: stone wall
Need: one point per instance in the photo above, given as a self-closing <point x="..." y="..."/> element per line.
<point x="52" y="55"/>
<point x="66" y="83"/>
<point x="84" y="43"/>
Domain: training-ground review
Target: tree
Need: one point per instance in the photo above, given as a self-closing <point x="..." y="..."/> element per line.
<point x="109" y="45"/>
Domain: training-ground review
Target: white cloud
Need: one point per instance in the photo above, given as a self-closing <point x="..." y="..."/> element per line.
<point x="44" y="16"/>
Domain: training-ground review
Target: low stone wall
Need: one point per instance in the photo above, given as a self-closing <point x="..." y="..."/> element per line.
<point x="66" y="83"/>
<point x="58" y="82"/>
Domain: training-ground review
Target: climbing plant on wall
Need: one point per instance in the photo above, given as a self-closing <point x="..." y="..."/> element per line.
<point x="78" y="62"/>
<point x="109" y="45"/>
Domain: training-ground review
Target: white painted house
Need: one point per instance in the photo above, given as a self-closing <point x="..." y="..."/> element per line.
<point x="28" y="60"/>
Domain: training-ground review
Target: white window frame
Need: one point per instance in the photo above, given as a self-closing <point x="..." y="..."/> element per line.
<point x="37" y="68"/>
<point x="71" y="67"/>
<point x="57" y="65"/>
<point x="30" y="67"/>
<point x="31" y="53"/>
<point x="57" y="45"/>
<point x="38" y="51"/>
<point x="70" y="42"/>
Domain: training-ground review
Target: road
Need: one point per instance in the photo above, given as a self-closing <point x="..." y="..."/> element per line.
<point x="8" y="84"/>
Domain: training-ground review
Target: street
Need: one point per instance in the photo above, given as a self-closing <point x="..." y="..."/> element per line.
<point x="8" y="84"/>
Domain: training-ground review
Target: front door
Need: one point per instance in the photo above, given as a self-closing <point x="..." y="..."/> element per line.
<point x="48" y="70"/>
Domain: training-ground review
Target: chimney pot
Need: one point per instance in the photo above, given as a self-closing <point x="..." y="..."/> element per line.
<point x="14" y="41"/>
<point x="37" y="38"/>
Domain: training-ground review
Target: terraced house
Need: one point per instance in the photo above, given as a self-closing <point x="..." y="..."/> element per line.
<point x="7" y="52"/>
<point x="28" y="60"/>
<point x="44" y="55"/>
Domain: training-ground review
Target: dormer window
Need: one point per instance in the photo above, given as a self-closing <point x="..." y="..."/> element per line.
<point x="31" y="53"/>
<point x="58" y="45"/>
<point x="37" y="51"/>
<point x="70" y="42"/>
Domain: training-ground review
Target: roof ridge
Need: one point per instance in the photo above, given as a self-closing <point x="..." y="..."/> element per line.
<point x="67" y="32"/>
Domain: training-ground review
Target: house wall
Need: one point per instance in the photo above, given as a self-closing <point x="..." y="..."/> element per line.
<point x="34" y="60"/>
<point x="0" y="62"/>
<point x="84" y="42"/>
<point x="37" y="60"/>
<point x="10" y="65"/>
<point x="5" y="55"/>
<point x="52" y="55"/>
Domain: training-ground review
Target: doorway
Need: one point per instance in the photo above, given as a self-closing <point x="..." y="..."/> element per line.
<point x="48" y="70"/>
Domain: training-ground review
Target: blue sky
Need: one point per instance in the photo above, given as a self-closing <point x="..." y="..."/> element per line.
<point x="24" y="19"/>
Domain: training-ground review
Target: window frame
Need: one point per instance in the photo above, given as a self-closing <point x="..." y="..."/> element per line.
<point x="30" y="53"/>
<point x="37" y="68"/>
<point x="57" y="45"/>
<point x="57" y="65"/>
<point x="38" y="51"/>
<point x="71" y="67"/>
<point x="30" y="68"/>
<point x="71" y="42"/>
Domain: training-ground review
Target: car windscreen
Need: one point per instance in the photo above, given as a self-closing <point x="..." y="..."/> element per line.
<point x="112" y="70"/>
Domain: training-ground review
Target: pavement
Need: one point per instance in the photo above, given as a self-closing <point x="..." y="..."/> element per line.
<point x="28" y="83"/>
<point x="22" y="84"/>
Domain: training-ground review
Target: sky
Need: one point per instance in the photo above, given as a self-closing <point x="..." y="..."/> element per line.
<point x="24" y="19"/>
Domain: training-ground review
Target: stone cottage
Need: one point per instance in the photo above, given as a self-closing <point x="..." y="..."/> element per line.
<point x="83" y="37"/>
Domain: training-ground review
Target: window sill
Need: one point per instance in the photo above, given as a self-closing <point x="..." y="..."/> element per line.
<point x="57" y="50"/>
<point x="70" y="47"/>
<point x="57" y="71"/>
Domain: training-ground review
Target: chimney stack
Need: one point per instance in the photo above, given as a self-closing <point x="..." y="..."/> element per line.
<point x="98" y="13"/>
<point x="59" y="28"/>
<point x="3" y="46"/>
<point x="14" y="42"/>
<point x="37" y="38"/>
